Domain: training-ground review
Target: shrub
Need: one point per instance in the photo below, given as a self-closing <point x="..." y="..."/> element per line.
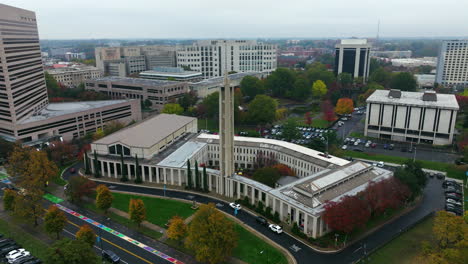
<point x="276" y="217"/>
<point x="260" y="207"/>
<point x="268" y="212"/>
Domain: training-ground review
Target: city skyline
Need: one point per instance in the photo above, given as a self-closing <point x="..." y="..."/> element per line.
<point x="259" y="19"/>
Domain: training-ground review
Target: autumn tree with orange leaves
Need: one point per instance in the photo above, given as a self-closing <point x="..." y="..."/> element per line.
<point x="344" y="106"/>
<point x="54" y="220"/>
<point x="137" y="211"/>
<point x="86" y="234"/>
<point x="177" y="228"/>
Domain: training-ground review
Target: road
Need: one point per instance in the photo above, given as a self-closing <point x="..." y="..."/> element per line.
<point x="433" y="200"/>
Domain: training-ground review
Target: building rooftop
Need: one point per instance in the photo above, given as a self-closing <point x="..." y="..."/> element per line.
<point x="446" y="101"/>
<point x="306" y="153"/>
<point x="232" y="77"/>
<point x="168" y="73"/>
<point x="178" y="158"/>
<point x="58" y="109"/>
<point x="75" y="68"/>
<point x="147" y="133"/>
<point x="353" y="42"/>
<point x="135" y="81"/>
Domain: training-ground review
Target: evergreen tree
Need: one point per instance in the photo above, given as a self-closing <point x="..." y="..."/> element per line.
<point x="86" y="163"/>
<point x="97" y="171"/>
<point x="205" y="179"/>
<point x="123" y="169"/>
<point x="197" y="176"/>
<point x="189" y="175"/>
<point x="137" y="170"/>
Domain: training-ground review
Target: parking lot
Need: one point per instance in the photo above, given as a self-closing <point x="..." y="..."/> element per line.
<point x="12" y="253"/>
<point x="454" y="197"/>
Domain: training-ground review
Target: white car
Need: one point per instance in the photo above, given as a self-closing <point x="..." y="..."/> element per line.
<point x="235" y="206"/>
<point x="14" y="255"/>
<point x="344" y="147"/>
<point x="451" y="201"/>
<point x="367" y="145"/>
<point x="380" y="164"/>
<point x="356" y="143"/>
<point x="276" y="228"/>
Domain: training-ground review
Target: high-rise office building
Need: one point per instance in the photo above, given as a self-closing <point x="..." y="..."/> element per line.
<point x="353" y="56"/>
<point x="206" y="56"/>
<point x="452" y="65"/>
<point x="25" y="112"/>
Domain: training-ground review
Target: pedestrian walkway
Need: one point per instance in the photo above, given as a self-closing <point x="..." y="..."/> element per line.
<point x="52" y="198"/>
<point x="120" y="235"/>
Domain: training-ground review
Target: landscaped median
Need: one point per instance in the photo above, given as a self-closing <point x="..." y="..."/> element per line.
<point x="250" y="248"/>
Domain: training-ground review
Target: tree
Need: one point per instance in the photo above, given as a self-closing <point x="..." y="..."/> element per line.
<point x="53" y="88"/>
<point x="177" y="228"/>
<point x="197" y="176"/>
<point x="104" y="197"/>
<point x="211" y="235"/>
<point x="78" y="186"/>
<point x="345" y="79"/>
<point x="386" y="194"/>
<point x="189" y="175"/>
<point x="381" y="76"/>
<point x="67" y="251"/>
<point x="61" y="152"/>
<point x="344" y="106"/>
<point x="32" y="169"/>
<point x="317" y="71"/>
<point x="413" y="176"/>
<point x="281" y="113"/>
<point x="5" y="148"/>
<point x="97" y="168"/>
<point x="262" y="110"/>
<point x="123" y="169"/>
<point x="251" y="86"/>
<point x="54" y="220"/>
<point x="86" y="163"/>
<point x="404" y="81"/>
<point x="98" y="134"/>
<point x="347" y="214"/>
<point x="267" y="175"/>
<point x="284" y="170"/>
<point x="319" y="89"/>
<point x="327" y="110"/>
<point x="308" y="118"/>
<point x="172" y="109"/>
<point x="211" y="105"/>
<point x="9" y="199"/>
<point x="86" y="234"/>
<point x="280" y="82"/>
<point x="290" y="131"/>
<point x="205" y="180"/>
<point x="137" y="171"/>
<point x="113" y="126"/>
<point x="137" y="211"/>
<point x="301" y="90"/>
<point x="188" y="100"/>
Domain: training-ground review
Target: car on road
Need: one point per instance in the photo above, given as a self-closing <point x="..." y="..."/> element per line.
<point x="261" y="220"/>
<point x="235" y="206"/>
<point x="110" y="256"/>
<point x="276" y="228"/>
<point x="440" y="176"/>
<point x="344" y="147"/>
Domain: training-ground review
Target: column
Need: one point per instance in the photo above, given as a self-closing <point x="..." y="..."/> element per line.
<point x="115" y="170"/>
<point x="165" y="176"/>
<point x="172" y="176"/>
<point x="273" y="206"/>
<point x="281" y="211"/>
<point x="314" y="227"/>
<point x="109" y="174"/>
<point x="306" y="223"/>
<point x="238" y="190"/>
<point x="296" y="217"/>
<point x="102" y="168"/>
<point x="150" y="174"/>
<point x="340" y="60"/>
<point x="231" y="188"/>
<point x="157" y="175"/>
<point x="209" y="182"/>
<point x="143" y="174"/>
<point x="180" y="176"/>
<point x="129" y="173"/>
<point x="253" y="194"/>
<point x="356" y="62"/>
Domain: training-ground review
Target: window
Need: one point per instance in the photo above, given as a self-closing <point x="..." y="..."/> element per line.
<point x="119" y="149"/>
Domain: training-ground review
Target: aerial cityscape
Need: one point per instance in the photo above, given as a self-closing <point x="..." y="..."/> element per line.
<point x="250" y="132"/>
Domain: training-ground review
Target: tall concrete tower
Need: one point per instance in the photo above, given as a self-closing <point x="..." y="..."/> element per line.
<point x="226" y="132"/>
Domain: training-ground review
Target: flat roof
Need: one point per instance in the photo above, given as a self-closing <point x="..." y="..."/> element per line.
<point x="178" y="158"/>
<point x="446" y="101"/>
<point x="232" y="77"/>
<point x="185" y="74"/>
<point x="272" y="143"/>
<point x="135" y="81"/>
<point x="58" y="109"/>
<point x="148" y="132"/>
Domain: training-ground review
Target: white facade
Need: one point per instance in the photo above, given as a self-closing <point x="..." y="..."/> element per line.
<point x="206" y="56"/>
<point x="353" y="56"/>
<point x="452" y="68"/>
<point x="411" y="116"/>
<point x="415" y="62"/>
<point x="74" y="76"/>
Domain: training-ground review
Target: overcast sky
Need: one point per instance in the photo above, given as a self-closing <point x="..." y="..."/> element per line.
<point x="84" y="19"/>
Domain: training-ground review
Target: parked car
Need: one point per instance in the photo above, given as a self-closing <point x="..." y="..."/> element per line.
<point x="404" y="150"/>
<point x="235" y="206"/>
<point x="110" y="256"/>
<point x="24" y="260"/>
<point x="440" y="176"/>
<point x="453" y="196"/>
<point x="8" y="249"/>
<point x="261" y="220"/>
<point x="455" y="209"/>
<point x="356" y="143"/>
<point x="447" y="183"/>
<point x="373" y="145"/>
<point x="276" y="228"/>
<point x="33" y="261"/>
<point x="72" y="170"/>
<point x="380" y="164"/>
<point x="6" y="242"/>
<point x="452" y="201"/>
<point x="453" y="190"/>
<point x="391" y="147"/>
<point x="385" y="146"/>
<point x="367" y="145"/>
<point x="18" y="256"/>
<point x="344" y="147"/>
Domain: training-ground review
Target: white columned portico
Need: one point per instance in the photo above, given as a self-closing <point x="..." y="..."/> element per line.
<point x="115" y="170"/>
<point x="150" y="171"/>
<point x="109" y="174"/>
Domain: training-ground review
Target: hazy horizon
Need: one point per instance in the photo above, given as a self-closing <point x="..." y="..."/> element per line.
<point x="208" y="19"/>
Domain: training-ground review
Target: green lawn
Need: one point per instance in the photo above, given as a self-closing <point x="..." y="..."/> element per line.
<point x="158" y="211"/>
<point x="29" y="242"/>
<point x="404" y="248"/>
<point x="250" y="246"/>
<point x="3" y="175"/>
<point x="126" y="222"/>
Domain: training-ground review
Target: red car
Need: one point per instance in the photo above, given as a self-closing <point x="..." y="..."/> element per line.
<point x="72" y="170"/>
<point x="373" y="145"/>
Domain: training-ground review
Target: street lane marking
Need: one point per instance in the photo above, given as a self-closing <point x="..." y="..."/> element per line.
<point x="120" y="235"/>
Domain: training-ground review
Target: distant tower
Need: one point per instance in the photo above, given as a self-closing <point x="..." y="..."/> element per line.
<point x="226" y="131"/>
